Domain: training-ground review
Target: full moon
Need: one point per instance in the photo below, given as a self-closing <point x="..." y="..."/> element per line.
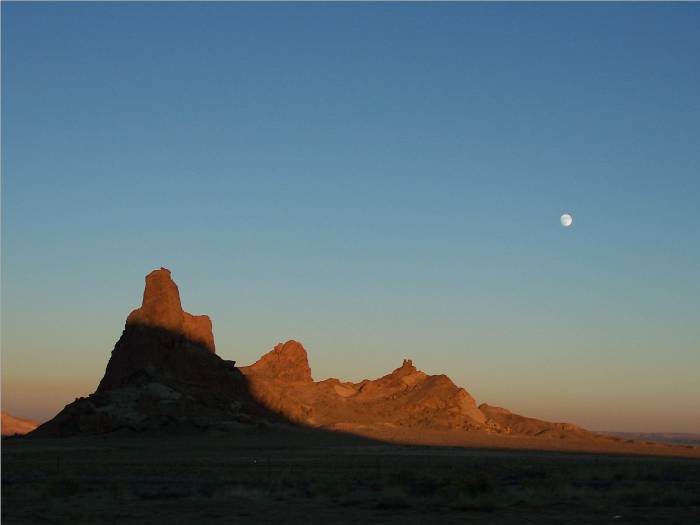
<point x="566" y="220"/>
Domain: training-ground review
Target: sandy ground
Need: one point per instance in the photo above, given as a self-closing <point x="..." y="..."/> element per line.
<point x="306" y="476"/>
<point x="602" y="444"/>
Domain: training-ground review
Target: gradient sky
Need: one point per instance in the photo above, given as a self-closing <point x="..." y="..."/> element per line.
<point x="378" y="181"/>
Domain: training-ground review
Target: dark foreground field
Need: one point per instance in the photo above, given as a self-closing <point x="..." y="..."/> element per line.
<point x="265" y="476"/>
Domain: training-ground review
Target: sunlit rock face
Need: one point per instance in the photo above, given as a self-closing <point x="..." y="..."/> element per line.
<point x="406" y="397"/>
<point x="285" y="362"/>
<point x="161" y="308"/>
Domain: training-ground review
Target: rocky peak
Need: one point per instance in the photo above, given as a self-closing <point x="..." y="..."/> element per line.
<point x="161" y="305"/>
<point x="161" y="308"/>
<point x="286" y="362"/>
<point x="405" y="369"/>
<point x="162" y="374"/>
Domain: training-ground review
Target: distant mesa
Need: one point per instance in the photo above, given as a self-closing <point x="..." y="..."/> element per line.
<point x="12" y="425"/>
<point x="164" y="375"/>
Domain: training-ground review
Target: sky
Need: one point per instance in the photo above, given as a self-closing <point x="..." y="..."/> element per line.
<point x="377" y="181"/>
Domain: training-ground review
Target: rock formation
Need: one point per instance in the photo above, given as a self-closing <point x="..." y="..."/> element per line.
<point x="12" y="425"/>
<point x="510" y="423"/>
<point x="162" y="342"/>
<point x="286" y="362"/>
<point x="164" y="373"/>
<point x="405" y="398"/>
<point x="161" y="308"/>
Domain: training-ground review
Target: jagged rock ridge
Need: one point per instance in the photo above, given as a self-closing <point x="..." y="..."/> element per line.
<point x="407" y="397"/>
<point x="164" y="373"/>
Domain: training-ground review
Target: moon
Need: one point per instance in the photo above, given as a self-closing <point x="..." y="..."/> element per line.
<point x="566" y="220"/>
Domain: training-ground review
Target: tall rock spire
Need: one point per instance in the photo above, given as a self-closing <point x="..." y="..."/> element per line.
<point x="163" y="374"/>
<point x="161" y="308"/>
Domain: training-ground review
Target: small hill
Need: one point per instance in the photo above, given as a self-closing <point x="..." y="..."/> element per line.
<point x="12" y="425"/>
<point x="510" y="423"/>
<point x="285" y="362"/>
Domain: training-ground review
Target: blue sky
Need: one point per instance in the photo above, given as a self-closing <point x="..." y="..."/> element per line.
<point x="378" y="181"/>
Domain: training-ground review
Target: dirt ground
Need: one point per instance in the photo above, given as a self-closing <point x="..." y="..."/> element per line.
<point x="303" y="476"/>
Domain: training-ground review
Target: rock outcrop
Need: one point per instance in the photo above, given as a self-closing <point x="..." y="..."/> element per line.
<point x="286" y="362"/>
<point x="163" y="374"/>
<point x="510" y="423"/>
<point x="161" y="308"/>
<point x="407" y="398"/>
